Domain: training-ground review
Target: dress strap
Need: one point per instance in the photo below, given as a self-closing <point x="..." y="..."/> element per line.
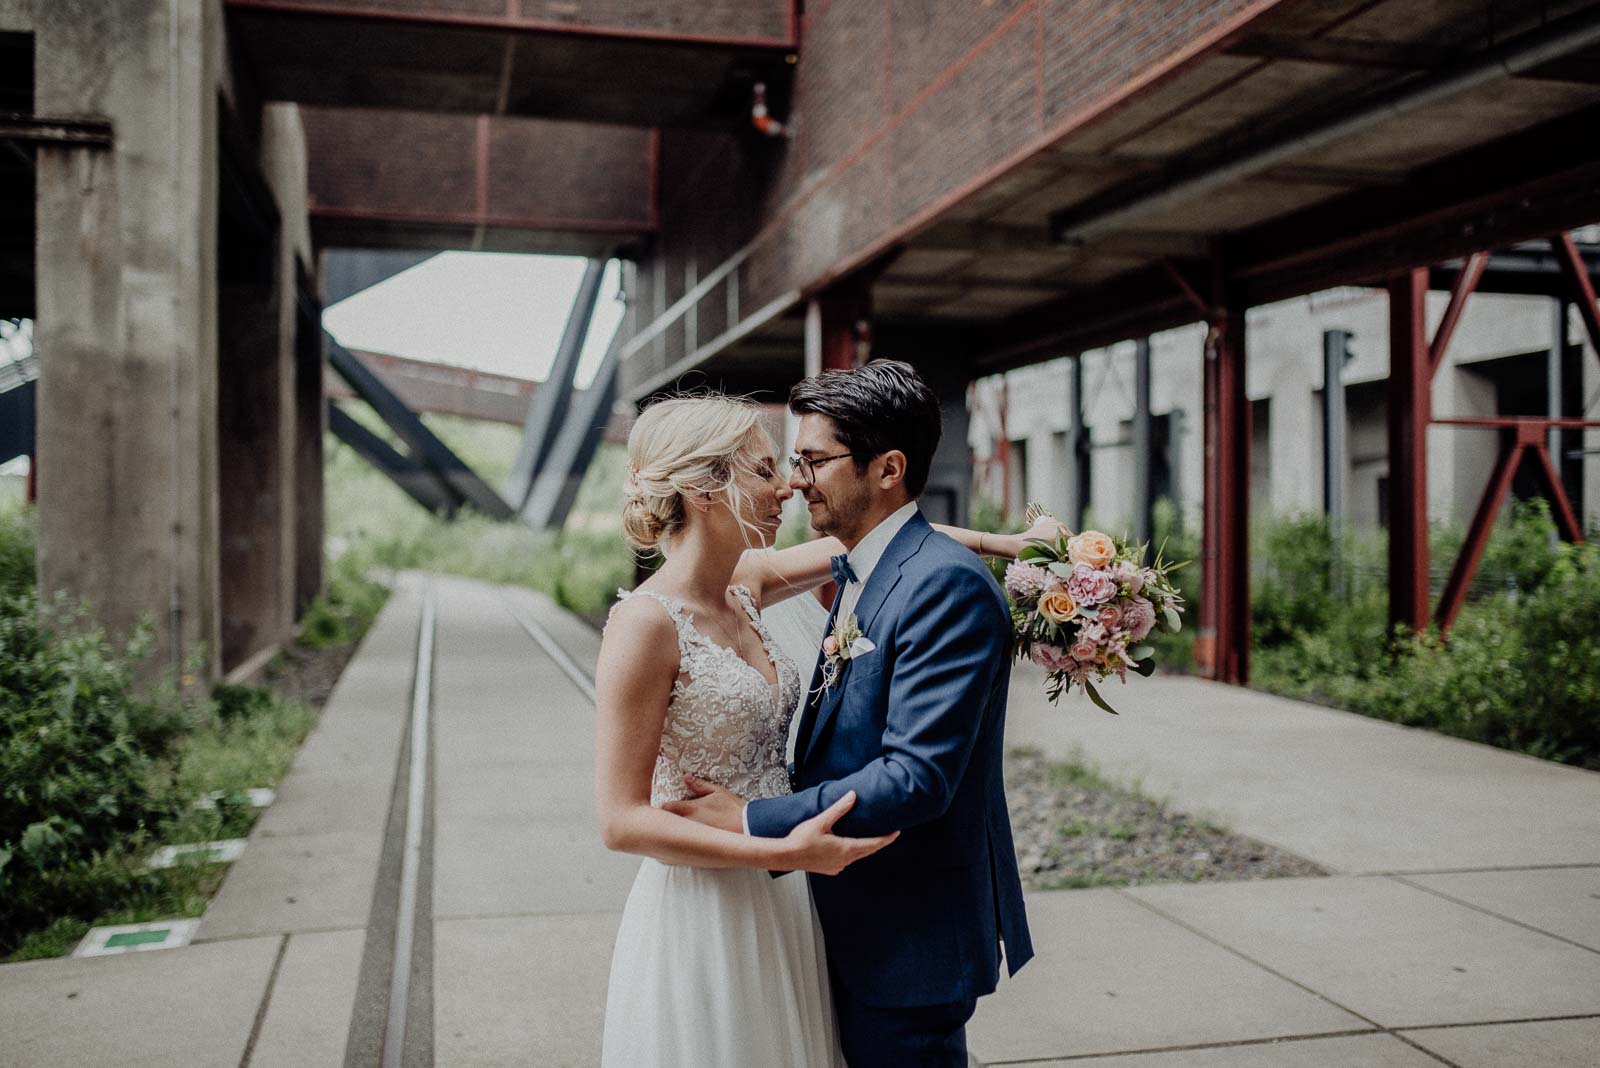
<point x="682" y="618"/>
<point x="747" y="599"/>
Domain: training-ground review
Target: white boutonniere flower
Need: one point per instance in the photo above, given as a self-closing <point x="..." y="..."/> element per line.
<point x="845" y="643"/>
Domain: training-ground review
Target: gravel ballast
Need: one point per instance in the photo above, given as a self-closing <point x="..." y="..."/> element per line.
<point x="1073" y="828"/>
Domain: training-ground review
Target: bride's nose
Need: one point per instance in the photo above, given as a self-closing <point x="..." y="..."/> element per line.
<point x="784" y="490"/>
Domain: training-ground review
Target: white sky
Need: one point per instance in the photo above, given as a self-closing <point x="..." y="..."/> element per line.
<point x="493" y="311"/>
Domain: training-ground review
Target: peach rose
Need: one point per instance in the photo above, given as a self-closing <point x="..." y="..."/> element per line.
<point x="1057" y="606"/>
<point x="830" y="645"/>
<point x="1092" y="548"/>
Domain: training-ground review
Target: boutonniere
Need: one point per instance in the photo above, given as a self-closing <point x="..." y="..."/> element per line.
<point x="845" y="643"/>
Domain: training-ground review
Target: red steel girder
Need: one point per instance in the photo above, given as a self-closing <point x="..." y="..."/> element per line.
<point x="1466" y="282"/>
<point x="1577" y="276"/>
<point x="1222" y="646"/>
<point x="1410" y="376"/>
<point x="1528" y="435"/>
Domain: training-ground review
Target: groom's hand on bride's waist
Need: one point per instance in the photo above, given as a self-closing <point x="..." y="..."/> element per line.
<point x="711" y="805"/>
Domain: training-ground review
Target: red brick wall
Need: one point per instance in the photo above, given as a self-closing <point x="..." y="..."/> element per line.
<point x="902" y="106"/>
<point x="757" y="21"/>
<point x="501" y="171"/>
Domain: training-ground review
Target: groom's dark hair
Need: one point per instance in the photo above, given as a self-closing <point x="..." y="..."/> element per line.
<point x="881" y="405"/>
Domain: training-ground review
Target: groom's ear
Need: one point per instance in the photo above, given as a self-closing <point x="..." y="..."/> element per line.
<point x="894" y="469"/>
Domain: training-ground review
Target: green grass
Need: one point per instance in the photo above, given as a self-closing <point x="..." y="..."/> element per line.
<point x="580" y="567"/>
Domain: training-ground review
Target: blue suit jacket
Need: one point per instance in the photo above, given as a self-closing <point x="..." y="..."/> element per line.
<point x="916" y="729"/>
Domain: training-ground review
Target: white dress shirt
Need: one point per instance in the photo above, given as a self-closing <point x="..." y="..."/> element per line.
<point x="863" y="558"/>
<point x="869" y="550"/>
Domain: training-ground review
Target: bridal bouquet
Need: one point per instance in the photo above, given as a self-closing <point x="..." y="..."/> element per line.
<point x="1083" y="608"/>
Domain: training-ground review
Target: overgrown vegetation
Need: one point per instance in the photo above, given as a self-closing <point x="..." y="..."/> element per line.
<point x="97" y="771"/>
<point x="1520" y="669"/>
<point x="580" y="567"/>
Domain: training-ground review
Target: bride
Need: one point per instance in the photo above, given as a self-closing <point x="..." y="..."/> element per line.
<point x="716" y="962"/>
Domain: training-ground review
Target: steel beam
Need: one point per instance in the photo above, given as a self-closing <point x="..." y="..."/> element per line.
<point x="424" y="444"/>
<point x="418" y="483"/>
<point x="1082" y="450"/>
<point x="1122" y="208"/>
<point x="551" y="401"/>
<point x="17" y="414"/>
<point x="59" y="131"/>
<point x="1143" y="446"/>
<point x="556" y="488"/>
<point x="1410" y="376"/>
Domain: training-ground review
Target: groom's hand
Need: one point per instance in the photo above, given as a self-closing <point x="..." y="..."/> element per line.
<point x="711" y="805"/>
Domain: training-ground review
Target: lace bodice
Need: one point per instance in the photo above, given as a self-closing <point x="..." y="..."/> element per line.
<point x="725" y="722"/>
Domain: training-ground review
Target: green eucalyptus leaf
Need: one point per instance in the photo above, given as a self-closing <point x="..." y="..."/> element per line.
<point x="1094" y="695"/>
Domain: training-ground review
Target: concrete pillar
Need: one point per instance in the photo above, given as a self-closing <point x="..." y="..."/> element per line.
<point x="127" y="268"/>
<point x="250" y="415"/>
<point x="300" y="403"/>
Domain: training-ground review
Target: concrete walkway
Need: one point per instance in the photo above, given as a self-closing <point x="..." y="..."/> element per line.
<point x="1463" y="926"/>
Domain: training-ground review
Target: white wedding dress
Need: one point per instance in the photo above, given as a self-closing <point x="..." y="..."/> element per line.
<point x="720" y="967"/>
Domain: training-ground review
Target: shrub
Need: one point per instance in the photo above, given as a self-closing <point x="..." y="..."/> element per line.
<point x="344" y="611"/>
<point x="18" y="536"/>
<point x="77" y="756"/>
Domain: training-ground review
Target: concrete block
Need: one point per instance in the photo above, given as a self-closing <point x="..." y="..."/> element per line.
<point x="1395" y="954"/>
<point x="308" y="1017"/>
<point x="1112" y="976"/>
<point x="1534" y="1044"/>
<point x="306" y="882"/>
<point x="1562" y="901"/>
<point x="521" y="990"/>
<point x="1350" y="1051"/>
<point x="189" y="1006"/>
<point x="495" y="871"/>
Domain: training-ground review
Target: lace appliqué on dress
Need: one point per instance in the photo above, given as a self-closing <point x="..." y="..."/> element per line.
<point x="725" y="722"/>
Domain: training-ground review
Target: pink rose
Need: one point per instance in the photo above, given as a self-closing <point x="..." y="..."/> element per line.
<point x="1050" y="657"/>
<point x="1139" y="616"/>
<point x="830" y="645"/>
<point x="1089" y="586"/>
<point x="1111" y="617"/>
<point x="1083" y="651"/>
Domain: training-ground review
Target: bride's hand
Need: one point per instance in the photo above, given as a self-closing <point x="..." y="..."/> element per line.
<point x="814" y="847"/>
<point x="1042" y="526"/>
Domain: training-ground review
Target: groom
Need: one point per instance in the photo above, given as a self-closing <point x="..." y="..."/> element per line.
<point x="915" y="727"/>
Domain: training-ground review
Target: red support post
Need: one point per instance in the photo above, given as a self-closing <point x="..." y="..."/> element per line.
<point x="1410" y="409"/>
<point x="1577" y="276"/>
<point x="1466" y="282"/>
<point x="1222" y="646"/>
<point x="1466" y="565"/>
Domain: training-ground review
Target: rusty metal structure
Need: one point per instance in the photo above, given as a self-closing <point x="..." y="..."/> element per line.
<point x="972" y="187"/>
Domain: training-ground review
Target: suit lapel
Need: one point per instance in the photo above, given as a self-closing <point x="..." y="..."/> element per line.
<point x="885" y="576"/>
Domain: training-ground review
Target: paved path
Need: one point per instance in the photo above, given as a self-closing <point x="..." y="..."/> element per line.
<point x="1463" y="928"/>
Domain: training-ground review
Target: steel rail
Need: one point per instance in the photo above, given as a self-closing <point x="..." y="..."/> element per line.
<point x="568" y="666"/>
<point x="394" y="1033"/>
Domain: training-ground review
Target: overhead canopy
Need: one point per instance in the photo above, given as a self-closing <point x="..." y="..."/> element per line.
<point x="1326" y="143"/>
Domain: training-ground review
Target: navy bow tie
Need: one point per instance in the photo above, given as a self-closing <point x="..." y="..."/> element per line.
<point x="842" y="572"/>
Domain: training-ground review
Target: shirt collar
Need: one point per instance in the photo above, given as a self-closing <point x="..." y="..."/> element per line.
<point x="870" y="549"/>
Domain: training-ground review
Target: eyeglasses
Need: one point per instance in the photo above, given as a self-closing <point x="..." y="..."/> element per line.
<point x="807" y="465"/>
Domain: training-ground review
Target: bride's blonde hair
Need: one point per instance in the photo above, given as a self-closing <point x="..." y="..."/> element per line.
<point x="685" y="446"/>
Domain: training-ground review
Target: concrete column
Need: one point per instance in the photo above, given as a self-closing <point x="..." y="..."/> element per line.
<point x="250" y="415"/>
<point x="300" y="402"/>
<point x="127" y="267"/>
